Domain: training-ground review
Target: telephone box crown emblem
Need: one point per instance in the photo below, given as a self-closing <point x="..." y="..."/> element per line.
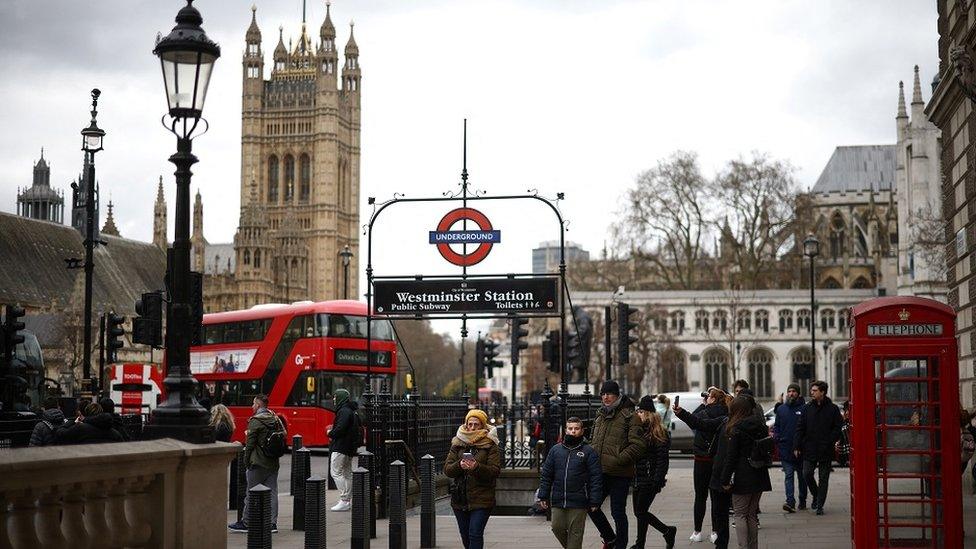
<point x="904" y="314"/>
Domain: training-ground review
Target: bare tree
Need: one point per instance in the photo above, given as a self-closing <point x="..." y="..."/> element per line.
<point x="758" y="195"/>
<point x="664" y="220"/>
<point x="434" y="355"/>
<point x="928" y="232"/>
<point x="732" y="331"/>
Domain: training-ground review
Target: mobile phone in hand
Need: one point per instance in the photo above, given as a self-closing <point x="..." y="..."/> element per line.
<point x="677" y="401"/>
<point x="467" y="455"/>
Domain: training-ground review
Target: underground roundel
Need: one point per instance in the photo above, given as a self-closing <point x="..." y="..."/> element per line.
<point x="483" y="237"/>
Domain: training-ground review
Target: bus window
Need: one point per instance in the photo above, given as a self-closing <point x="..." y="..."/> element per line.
<point x="236" y="393"/>
<point x="255" y="330"/>
<point x="317" y="387"/>
<point x="232" y="332"/>
<point x="213" y="333"/>
<point x="287" y="343"/>
<point x="355" y="327"/>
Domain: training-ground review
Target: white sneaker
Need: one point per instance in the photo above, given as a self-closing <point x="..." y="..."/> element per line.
<point x="713" y="537"/>
<point x="696" y="536"/>
<point x="342" y="506"/>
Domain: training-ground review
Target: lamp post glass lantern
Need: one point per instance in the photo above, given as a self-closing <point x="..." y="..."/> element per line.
<point x="811" y="249"/>
<point x="187" y="57"/>
<point x="346" y="255"/>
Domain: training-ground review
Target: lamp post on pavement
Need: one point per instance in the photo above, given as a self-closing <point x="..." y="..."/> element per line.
<point x="346" y="255"/>
<point x="811" y="249"/>
<point x="826" y="347"/>
<point x="187" y="57"/>
<point x="91" y="142"/>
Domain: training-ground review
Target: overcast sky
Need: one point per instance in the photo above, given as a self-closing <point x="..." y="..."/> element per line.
<point x="563" y="96"/>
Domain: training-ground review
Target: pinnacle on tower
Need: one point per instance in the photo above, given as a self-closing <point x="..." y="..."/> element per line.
<point x="917" y="92"/>
<point x="253" y="32"/>
<point x="902" y="112"/>
<point x="280" y="53"/>
<point x="351" y="48"/>
<point x="327" y="31"/>
<point x="109" y="227"/>
<point x="160" y="197"/>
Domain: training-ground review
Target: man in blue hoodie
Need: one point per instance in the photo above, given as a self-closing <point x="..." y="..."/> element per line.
<point x="787" y="417"/>
<point x="572" y="484"/>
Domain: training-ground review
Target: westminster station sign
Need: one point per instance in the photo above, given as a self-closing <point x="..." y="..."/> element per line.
<point x="411" y="297"/>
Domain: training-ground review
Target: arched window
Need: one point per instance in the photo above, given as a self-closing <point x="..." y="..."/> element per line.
<point x="743" y="320"/>
<point x="659" y="321"/>
<point x="837" y="235"/>
<point x="701" y="320"/>
<point x="861" y="245"/>
<point x="827" y="319"/>
<point x="842" y="320"/>
<point x="273" y="179"/>
<point x="785" y="320"/>
<point x="673" y="377"/>
<point x="289" y="178"/>
<point x="762" y="320"/>
<point x="305" y="177"/>
<point x="247" y="257"/>
<point x="761" y="373"/>
<point x="717" y="368"/>
<point x="803" y="319"/>
<point x="861" y="283"/>
<point x="257" y="259"/>
<point x="842" y="374"/>
<point x="831" y="283"/>
<point x="294" y="266"/>
<point x="802" y="368"/>
<point x="678" y="322"/>
<point x="720" y="321"/>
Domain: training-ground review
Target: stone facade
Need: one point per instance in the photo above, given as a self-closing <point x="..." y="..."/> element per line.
<point x="951" y="110"/>
<point x="299" y="177"/>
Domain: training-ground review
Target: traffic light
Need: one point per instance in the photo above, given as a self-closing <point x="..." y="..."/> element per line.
<point x="624" y="325"/>
<point x="479" y="357"/>
<point x="550" y="351"/>
<point x="11" y="328"/>
<point x="491" y="351"/>
<point x="574" y="352"/>
<point x="113" y="336"/>
<point x="518" y="332"/>
<point x="147" y="328"/>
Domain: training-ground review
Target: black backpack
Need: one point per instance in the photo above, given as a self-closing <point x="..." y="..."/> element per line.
<point x="761" y="456"/>
<point x="275" y="443"/>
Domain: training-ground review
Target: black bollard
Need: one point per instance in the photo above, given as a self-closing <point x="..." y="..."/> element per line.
<point x="397" y="488"/>
<point x="301" y="465"/>
<point x="259" y="517"/>
<point x="232" y="485"/>
<point x="296" y="445"/>
<point x="428" y="517"/>
<point x="360" y="509"/>
<point x="240" y="479"/>
<point x="368" y="461"/>
<point x="315" y="488"/>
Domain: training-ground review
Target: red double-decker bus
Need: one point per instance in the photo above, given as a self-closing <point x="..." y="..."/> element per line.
<point x="297" y="354"/>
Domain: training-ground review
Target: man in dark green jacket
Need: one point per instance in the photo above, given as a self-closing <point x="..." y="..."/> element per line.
<point x="617" y="438"/>
<point x="260" y="467"/>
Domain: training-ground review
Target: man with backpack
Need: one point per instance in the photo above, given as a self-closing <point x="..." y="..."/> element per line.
<point x="345" y="437"/>
<point x="264" y="445"/>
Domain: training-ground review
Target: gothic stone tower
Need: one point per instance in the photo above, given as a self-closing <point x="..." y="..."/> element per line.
<point x="300" y="144"/>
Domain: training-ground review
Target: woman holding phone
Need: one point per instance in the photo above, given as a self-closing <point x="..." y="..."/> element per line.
<point x="652" y="471"/>
<point x="473" y="464"/>
<point x="714" y="406"/>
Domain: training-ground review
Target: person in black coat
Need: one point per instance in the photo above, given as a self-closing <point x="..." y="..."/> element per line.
<point x="108" y="406"/>
<point x="652" y="471"/>
<point x="571" y="482"/>
<point x="746" y="481"/>
<point x="714" y="406"/>
<point x="345" y="437"/>
<point x="92" y="427"/>
<point x="51" y="418"/>
<point x="816" y="432"/>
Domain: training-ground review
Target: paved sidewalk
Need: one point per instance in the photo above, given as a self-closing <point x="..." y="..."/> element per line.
<point x="673" y="506"/>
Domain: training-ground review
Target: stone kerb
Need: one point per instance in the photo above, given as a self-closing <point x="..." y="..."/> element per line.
<point x="158" y="493"/>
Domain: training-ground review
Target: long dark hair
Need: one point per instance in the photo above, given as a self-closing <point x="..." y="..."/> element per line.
<point x="741" y="408"/>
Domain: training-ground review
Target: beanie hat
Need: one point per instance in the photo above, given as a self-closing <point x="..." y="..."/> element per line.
<point x="646" y="403"/>
<point x="610" y="387"/>
<point x="794" y="386"/>
<point x="482" y="417"/>
<point x="341" y="396"/>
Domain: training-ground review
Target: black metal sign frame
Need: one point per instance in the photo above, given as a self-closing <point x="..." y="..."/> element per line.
<point x="465" y="196"/>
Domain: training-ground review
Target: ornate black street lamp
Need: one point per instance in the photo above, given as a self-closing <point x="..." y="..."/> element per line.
<point x="811" y="249"/>
<point x="346" y="255"/>
<point x="187" y="57"/>
<point x="92" y="139"/>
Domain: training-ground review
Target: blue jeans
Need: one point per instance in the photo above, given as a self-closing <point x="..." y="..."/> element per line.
<point x="471" y="525"/>
<point x="789" y="470"/>
<point x="618" y="488"/>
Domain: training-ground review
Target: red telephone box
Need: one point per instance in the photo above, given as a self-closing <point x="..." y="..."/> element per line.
<point x="906" y="490"/>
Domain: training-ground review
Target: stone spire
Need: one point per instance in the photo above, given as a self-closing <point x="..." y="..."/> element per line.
<point x="198" y="244"/>
<point x="917" y="90"/>
<point x="280" y="52"/>
<point x="159" y="218"/>
<point x="253" y="34"/>
<point x="351" y="75"/>
<point x="918" y="106"/>
<point x="109" y="227"/>
<point x="902" y="111"/>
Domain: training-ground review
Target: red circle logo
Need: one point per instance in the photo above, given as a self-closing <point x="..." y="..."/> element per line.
<point x="480" y="252"/>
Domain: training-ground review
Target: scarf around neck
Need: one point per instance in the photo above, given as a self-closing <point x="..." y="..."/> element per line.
<point x="607" y="410"/>
<point x="482" y="438"/>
